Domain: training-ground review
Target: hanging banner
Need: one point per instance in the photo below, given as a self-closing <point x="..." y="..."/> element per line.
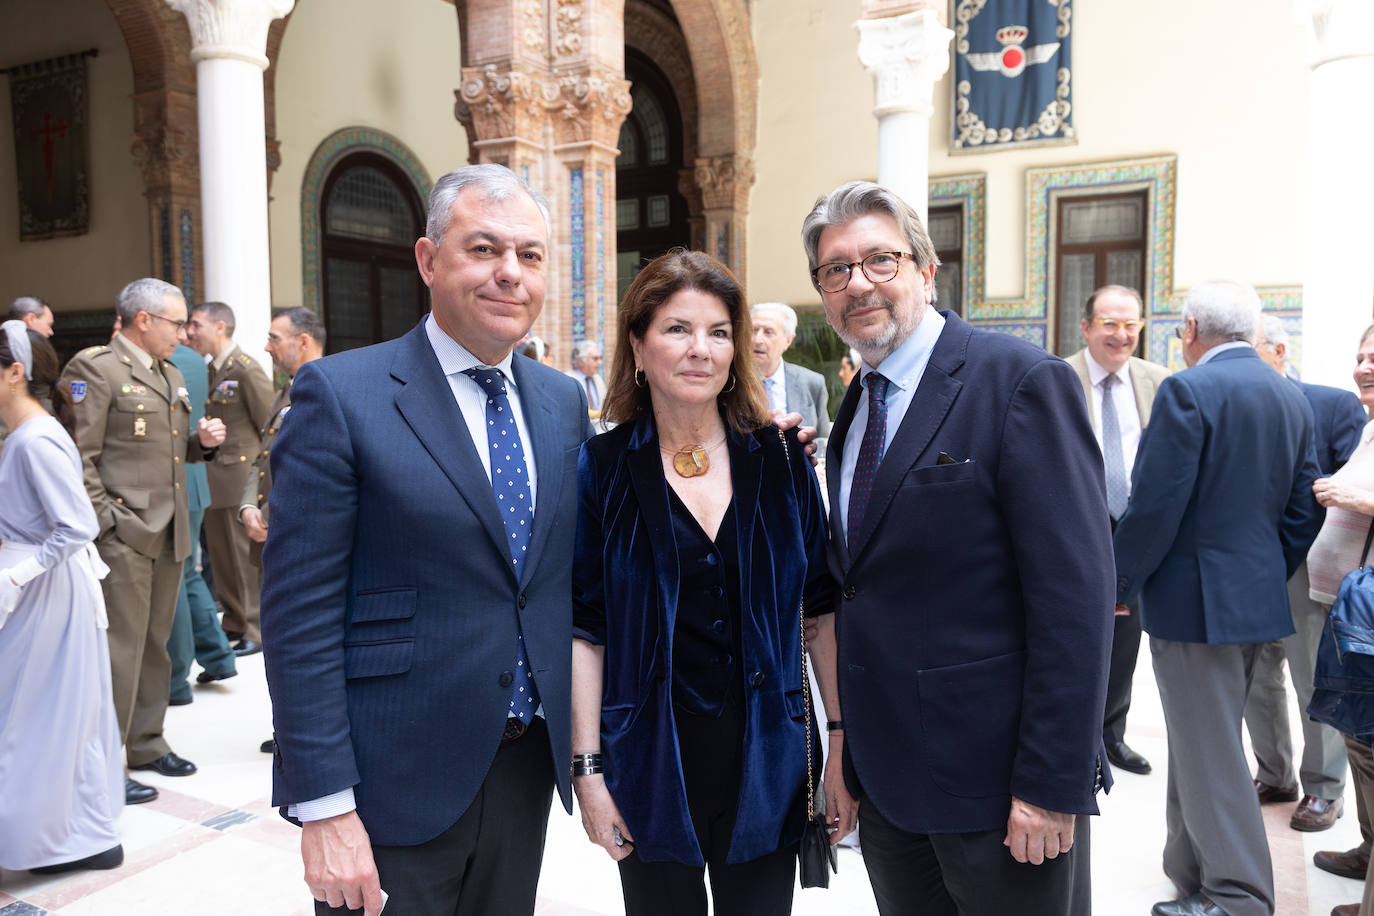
<point x="1012" y="74"/>
<point x="49" y="103"/>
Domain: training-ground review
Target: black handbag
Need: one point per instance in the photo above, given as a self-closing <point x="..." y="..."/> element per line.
<point x="814" y="852"/>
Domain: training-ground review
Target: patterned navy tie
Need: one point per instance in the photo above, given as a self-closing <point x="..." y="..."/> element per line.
<point x="1113" y="458"/>
<point x="510" y="482"/>
<point x="870" y="456"/>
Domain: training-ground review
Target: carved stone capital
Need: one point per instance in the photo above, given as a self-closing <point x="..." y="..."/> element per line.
<point x="505" y="102"/>
<point x="592" y="105"/>
<point x="1340" y="29"/>
<point x="907" y="55"/>
<point x="233" y="29"/>
<point x="724" y="181"/>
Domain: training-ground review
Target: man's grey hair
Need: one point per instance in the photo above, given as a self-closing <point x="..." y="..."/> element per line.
<point x="1224" y="310"/>
<point x="1272" y="331"/>
<point x="855" y="360"/>
<point x="782" y="310"/>
<point x="582" y="348"/>
<point x="496" y="182"/>
<point x="304" y="321"/>
<point x="850" y="201"/>
<point x="144" y="295"/>
<point x="26" y="305"/>
<point x="217" y="311"/>
<point x="1117" y="288"/>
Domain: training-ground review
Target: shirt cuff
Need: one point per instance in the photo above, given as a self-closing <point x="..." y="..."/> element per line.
<point x="317" y="809"/>
<point x="27" y="570"/>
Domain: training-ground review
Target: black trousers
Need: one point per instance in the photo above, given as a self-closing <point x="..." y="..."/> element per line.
<point x="1120" y="673"/>
<point x="711" y="763"/>
<point x="970" y="874"/>
<point x="487" y="862"/>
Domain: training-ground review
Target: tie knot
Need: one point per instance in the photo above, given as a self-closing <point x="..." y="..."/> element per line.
<point x="1109" y="381"/>
<point x="877" y="386"/>
<point x="492" y="381"/>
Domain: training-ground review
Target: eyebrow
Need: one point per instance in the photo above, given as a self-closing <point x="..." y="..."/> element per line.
<point x="719" y="324"/>
<point x="481" y="235"/>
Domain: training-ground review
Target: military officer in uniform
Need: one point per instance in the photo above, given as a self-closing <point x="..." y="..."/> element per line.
<point x="240" y="396"/>
<point x="133" y="427"/>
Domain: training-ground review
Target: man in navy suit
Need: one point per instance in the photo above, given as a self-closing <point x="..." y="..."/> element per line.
<point x="1339" y="419"/>
<point x="417" y="604"/>
<point x="1221" y="515"/>
<point x="970" y="537"/>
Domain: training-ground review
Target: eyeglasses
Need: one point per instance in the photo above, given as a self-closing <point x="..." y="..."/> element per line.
<point x="1111" y="325"/>
<point x="180" y="325"/>
<point x="879" y="267"/>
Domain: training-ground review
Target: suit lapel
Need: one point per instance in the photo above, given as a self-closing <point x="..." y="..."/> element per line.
<point x="834" y="461"/>
<point x="929" y="405"/>
<point x="546" y="450"/>
<point x="746" y="477"/>
<point x="1080" y="365"/>
<point x="153" y="380"/>
<point x="1144" y="386"/>
<point x="651" y="492"/>
<point x="426" y="402"/>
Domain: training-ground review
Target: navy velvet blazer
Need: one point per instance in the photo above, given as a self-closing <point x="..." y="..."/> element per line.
<point x="976" y="615"/>
<point x="625" y="592"/>
<point x="390" y="602"/>
<point x="1338" y="419"/>
<point x="1221" y="510"/>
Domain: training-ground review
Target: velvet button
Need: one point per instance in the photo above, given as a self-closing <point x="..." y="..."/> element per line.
<point x="718" y="626"/>
<point x="709" y="559"/>
<point x="757" y="679"/>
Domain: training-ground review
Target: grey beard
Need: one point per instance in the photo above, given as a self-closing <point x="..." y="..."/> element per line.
<point x="876" y="350"/>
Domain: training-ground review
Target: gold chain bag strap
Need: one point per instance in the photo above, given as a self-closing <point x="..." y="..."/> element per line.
<point x="814" y="852"/>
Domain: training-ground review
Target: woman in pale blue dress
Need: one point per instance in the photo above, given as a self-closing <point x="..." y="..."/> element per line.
<point x="61" y="778"/>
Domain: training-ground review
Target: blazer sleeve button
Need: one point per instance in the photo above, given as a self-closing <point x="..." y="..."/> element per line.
<point x="757" y="679"/>
<point x="506" y="679"/>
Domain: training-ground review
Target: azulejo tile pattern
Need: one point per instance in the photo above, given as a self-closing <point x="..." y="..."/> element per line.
<point x="600" y="258"/>
<point x="576" y="202"/>
<point x="971" y="191"/>
<point x="188" y="255"/>
<point x="322" y="162"/>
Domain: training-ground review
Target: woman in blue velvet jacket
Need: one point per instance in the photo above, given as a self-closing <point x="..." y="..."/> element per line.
<point x="700" y="532"/>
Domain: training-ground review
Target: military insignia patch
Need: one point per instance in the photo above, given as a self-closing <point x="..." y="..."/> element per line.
<point x="78" y="392"/>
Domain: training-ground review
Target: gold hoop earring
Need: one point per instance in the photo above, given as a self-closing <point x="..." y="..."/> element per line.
<point x="730" y="387"/>
<point x="640" y="379"/>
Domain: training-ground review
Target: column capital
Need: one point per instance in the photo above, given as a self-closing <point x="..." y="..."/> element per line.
<point x="506" y="101"/>
<point x="594" y="101"/>
<point x="725" y="181"/>
<point x="232" y="29"/>
<point x="1340" y="29"/>
<point x="907" y="55"/>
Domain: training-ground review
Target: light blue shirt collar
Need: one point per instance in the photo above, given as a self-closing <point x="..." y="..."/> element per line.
<point x="1221" y="348"/>
<point x="906" y="364"/>
<point x="455" y="358"/>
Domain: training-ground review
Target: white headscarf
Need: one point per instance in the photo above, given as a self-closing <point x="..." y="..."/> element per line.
<point x="18" y="334"/>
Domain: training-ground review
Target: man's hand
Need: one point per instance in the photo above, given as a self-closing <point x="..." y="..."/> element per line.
<point x="338" y="863"/>
<point x="211" y="431"/>
<point x="1122" y="610"/>
<point x="1036" y="834"/>
<point x="806" y="435"/>
<point x="253" y="524"/>
<point x="841" y="808"/>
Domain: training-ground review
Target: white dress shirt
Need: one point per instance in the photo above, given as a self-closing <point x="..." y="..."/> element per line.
<point x="776" y="387"/>
<point x="1127" y="413"/>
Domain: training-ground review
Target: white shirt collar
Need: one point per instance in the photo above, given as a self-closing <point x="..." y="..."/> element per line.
<point x="1096" y="372"/>
<point x="455" y="358"/>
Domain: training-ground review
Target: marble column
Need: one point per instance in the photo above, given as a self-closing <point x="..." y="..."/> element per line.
<point x="906" y="48"/>
<point x="1338" y="280"/>
<point x="228" y="46"/>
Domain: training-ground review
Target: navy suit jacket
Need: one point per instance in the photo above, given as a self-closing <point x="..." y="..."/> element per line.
<point x="976" y="613"/>
<point x="390" y="601"/>
<point x="1221" y="510"/>
<point x="1338" y="420"/>
<point x="626" y="598"/>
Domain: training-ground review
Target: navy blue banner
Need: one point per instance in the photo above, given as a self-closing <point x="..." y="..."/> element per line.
<point x="1012" y="74"/>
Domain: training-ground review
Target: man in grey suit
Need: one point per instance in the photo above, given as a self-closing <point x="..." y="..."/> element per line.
<point x="586" y="371"/>
<point x="1111" y="326"/>
<point x="790" y="388"/>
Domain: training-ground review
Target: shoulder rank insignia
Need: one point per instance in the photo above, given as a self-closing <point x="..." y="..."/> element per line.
<point x="78" y="392"/>
<point x="95" y="351"/>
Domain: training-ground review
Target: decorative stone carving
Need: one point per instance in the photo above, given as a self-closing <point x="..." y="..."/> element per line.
<point x="532" y="30"/>
<point x="505" y="103"/>
<point x="235" y="29"/>
<point x="593" y="106"/>
<point x="568" y="28"/>
<point x="166" y="151"/>
<point x="907" y="55"/>
<point x="724" y="181"/>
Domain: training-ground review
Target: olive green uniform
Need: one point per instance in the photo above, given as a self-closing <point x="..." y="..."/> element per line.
<point x="133" y="428"/>
<point x="259" y="484"/>
<point x="241" y="396"/>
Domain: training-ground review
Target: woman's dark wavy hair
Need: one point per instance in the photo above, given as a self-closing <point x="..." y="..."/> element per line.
<point x="42" y="385"/>
<point x="743" y="405"/>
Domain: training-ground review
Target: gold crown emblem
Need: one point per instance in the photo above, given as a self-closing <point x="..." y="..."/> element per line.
<point x="1012" y="34"/>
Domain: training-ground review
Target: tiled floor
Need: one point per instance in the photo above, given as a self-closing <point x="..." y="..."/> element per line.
<point x="211" y="846"/>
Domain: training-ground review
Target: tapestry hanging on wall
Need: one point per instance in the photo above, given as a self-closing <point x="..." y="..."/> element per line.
<point x="1012" y="74"/>
<point x="49" y="102"/>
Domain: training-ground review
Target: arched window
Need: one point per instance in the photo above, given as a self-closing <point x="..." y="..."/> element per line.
<point x="370" y="218"/>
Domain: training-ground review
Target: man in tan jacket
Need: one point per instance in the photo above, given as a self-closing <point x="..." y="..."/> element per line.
<point x="133" y="428"/>
<point x="241" y="396"/>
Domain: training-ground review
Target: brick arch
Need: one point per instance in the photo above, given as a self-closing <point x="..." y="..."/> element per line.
<point x="656" y="35"/>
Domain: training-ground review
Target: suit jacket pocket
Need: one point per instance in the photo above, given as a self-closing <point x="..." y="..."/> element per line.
<point x="383" y="604"/>
<point x="796" y="704"/>
<point x="130" y="497"/>
<point x="378" y="659"/>
<point x="932" y="474"/>
<point x="970" y="719"/>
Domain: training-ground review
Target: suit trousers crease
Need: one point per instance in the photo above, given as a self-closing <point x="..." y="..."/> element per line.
<point x="1362" y="775"/>
<point x="238" y="582"/>
<point x="140" y="598"/>
<point x="971" y="874"/>
<point x="1322" y="769"/>
<point x="1215" y="840"/>
<point x="488" y="861"/>
<point x="712" y="755"/>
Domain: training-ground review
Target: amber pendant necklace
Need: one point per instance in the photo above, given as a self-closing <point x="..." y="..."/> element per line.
<point x="691" y="460"/>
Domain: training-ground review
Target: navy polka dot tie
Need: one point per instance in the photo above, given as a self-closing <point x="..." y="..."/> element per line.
<point x="510" y="481"/>
<point x="870" y="456"/>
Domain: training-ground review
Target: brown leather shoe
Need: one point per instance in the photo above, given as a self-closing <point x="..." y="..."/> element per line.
<point x="1269" y="794"/>
<point x="1313" y="813"/>
<point x="1346" y="909"/>
<point x="1353" y="863"/>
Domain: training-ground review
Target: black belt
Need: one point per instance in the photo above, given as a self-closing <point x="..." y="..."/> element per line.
<point x="514" y="729"/>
